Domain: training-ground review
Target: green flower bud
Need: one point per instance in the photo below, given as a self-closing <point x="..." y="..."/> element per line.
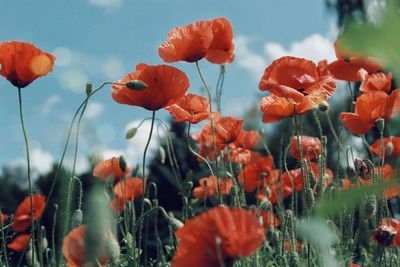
<point x="309" y="197"/>
<point x="161" y="154"/>
<point x="89" y="89"/>
<point x="371" y="206"/>
<point x="131" y="133"/>
<point x="294" y="259"/>
<point x="77" y="218"/>
<point x="136" y="85"/>
<point x="380" y="124"/>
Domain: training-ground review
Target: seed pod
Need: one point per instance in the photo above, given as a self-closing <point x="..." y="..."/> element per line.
<point x="323" y="106"/>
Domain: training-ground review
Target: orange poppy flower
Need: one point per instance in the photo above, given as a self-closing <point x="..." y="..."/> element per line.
<point x="310" y="147"/>
<point x="240" y="150"/>
<point x="191" y="108"/>
<point x="221" y="47"/>
<point x="388" y="233"/>
<point x="369" y="107"/>
<point x="126" y="190"/>
<point x="113" y="166"/>
<point x="166" y="85"/>
<point x="322" y="68"/>
<point x="22" y="63"/>
<point x="220" y="234"/>
<point x="388" y="174"/>
<point x="377" y="82"/>
<point x="391" y="146"/>
<point x="298" y="178"/>
<point x="227" y="129"/>
<point x="297" y="80"/>
<point x="258" y="173"/>
<point x="19" y="243"/>
<point x="208" y="187"/>
<point x="3" y="217"/>
<point x="207" y="38"/>
<point x="206" y="143"/>
<point x="74" y="248"/>
<point x="22" y="217"/>
<point x="352" y="66"/>
<point x="275" y="108"/>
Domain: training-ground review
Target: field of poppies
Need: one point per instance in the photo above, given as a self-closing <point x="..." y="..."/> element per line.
<point x="306" y="200"/>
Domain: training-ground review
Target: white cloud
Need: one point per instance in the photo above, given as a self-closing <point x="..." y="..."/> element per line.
<point x="108" y="4"/>
<point x="94" y="109"/>
<point x="314" y="47"/>
<point x="247" y="59"/>
<point x="74" y="79"/>
<point x="113" y="68"/>
<point x="50" y="103"/>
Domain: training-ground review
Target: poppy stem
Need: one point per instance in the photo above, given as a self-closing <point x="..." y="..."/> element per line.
<point x="3" y="242"/>
<point x="220" y="84"/>
<point x="21" y="115"/>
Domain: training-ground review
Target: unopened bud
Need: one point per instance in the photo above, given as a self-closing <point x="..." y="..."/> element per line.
<point x="389" y="149"/>
<point x="161" y="154"/>
<point x="77" y="218"/>
<point x="112" y="250"/>
<point x="89" y="89"/>
<point x="312" y="179"/>
<point x="264" y="204"/>
<point x="131" y="133"/>
<point x="136" y="85"/>
<point x="294" y="259"/>
<point x="44" y="244"/>
<point x="370" y="206"/>
<point x="309" y="196"/>
<point x="323" y="106"/>
<point x="122" y="163"/>
<point x="380" y="124"/>
<point x="175" y="223"/>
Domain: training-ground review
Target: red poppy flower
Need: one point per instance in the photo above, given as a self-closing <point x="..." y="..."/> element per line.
<point x="297" y="177"/>
<point x="322" y="68"/>
<point x="377" y="82"/>
<point x="166" y="85"/>
<point x="391" y="146"/>
<point x="352" y="66"/>
<point x="22" y="217"/>
<point x="126" y="190"/>
<point x="22" y="63"/>
<point x="310" y="147"/>
<point x="221" y="48"/>
<point x="297" y="80"/>
<point x="207" y="38"/>
<point x="388" y="175"/>
<point x="240" y="150"/>
<point x="257" y="174"/>
<point x="219" y="234"/>
<point x="369" y="107"/>
<point x="113" y="166"/>
<point x="191" y="108"/>
<point x="388" y="233"/>
<point x="206" y="143"/>
<point x="74" y="248"/>
<point x="3" y="217"/>
<point x="19" y="243"/>
<point x="275" y="108"/>
<point x="227" y="129"/>
<point x="209" y="187"/>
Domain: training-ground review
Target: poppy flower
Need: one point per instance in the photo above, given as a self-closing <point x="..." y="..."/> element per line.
<point x="297" y="80"/>
<point x="207" y="38"/>
<point x="391" y="146"/>
<point x="191" y="108"/>
<point x="369" y="107"/>
<point x="3" y="217"/>
<point x="74" y="248"/>
<point x="166" y="85"/>
<point x="22" y="217"/>
<point x="268" y="219"/>
<point x="19" y="243"/>
<point x="388" y="175"/>
<point x="221" y="234"/>
<point x="115" y="166"/>
<point x="388" y="233"/>
<point x="377" y="82"/>
<point x="240" y="150"/>
<point x="322" y="68"/>
<point x="288" y="248"/>
<point x="227" y="129"/>
<point x="209" y="186"/>
<point x="22" y="63"/>
<point x="258" y="173"/>
<point x="126" y="190"/>
<point x="310" y="147"/>
<point x="275" y="192"/>
<point x="275" y="108"/>
<point x="351" y="66"/>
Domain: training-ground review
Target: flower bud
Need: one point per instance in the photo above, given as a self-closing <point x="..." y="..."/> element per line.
<point x="77" y="218"/>
<point x="370" y="207"/>
<point x="380" y="124"/>
<point x="175" y="223"/>
<point x="161" y="154"/>
<point x="136" y="85"/>
<point x="44" y="244"/>
<point x="264" y="204"/>
<point x="294" y="259"/>
<point x="309" y="196"/>
<point x="122" y="163"/>
<point x="112" y="250"/>
<point x="89" y="89"/>
<point x="131" y="133"/>
<point x="323" y="106"/>
<point x="389" y="149"/>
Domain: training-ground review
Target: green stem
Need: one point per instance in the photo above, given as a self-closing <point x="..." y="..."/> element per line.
<point x="21" y="115"/>
<point x="333" y="130"/>
<point x="197" y="154"/>
<point x="3" y="242"/>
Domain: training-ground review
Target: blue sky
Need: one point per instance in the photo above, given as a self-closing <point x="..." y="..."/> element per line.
<point x="102" y="40"/>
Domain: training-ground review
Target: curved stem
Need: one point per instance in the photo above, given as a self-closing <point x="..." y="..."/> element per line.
<point x="28" y="162"/>
<point x="333" y="130"/>
<point x="197" y="154"/>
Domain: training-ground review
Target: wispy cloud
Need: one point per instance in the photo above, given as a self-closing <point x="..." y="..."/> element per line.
<point x="94" y="110"/>
<point x="49" y="104"/>
<point x="108" y="4"/>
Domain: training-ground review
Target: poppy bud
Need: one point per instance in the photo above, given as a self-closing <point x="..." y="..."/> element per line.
<point x="380" y="124"/>
<point x="309" y="196"/>
<point x="270" y="232"/>
<point x="175" y="223"/>
<point x="389" y="149"/>
<point x="136" y="85"/>
<point x="44" y="243"/>
<point x="161" y="154"/>
<point x="370" y="206"/>
<point x="294" y="259"/>
<point x="89" y="89"/>
<point x="29" y="261"/>
<point x="264" y="204"/>
<point x="128" y="239"/>
<point x="312" y="179"/>
<point x="275" y="238"/>
<point x="147" y="202"/>
<point x="323" y="106"/>
<point x="112" y="250"/>
<point x="131" y="133"/>
<point x="122" y="164"/>
<point x="77" y="218"/>
<point x="383" y="235"/>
